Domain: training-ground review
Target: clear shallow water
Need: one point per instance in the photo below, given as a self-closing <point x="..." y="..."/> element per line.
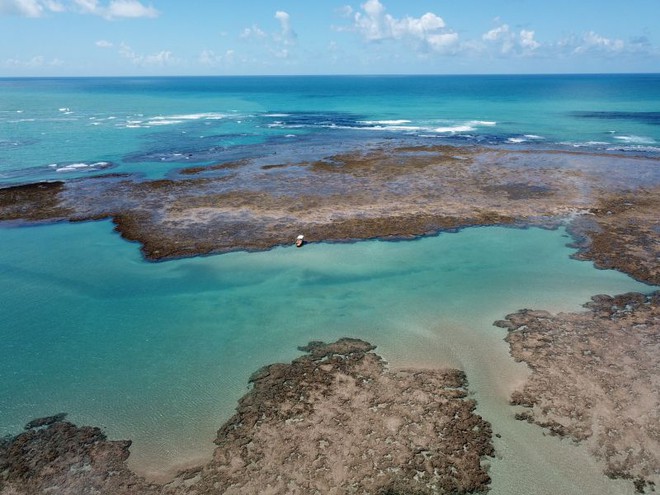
<point x="160" y="353"/>
<point x="63" y="128"/>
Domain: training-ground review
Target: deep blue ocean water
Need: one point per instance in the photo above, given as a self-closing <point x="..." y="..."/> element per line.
<point x="52" y="128"/>
<point x="160" y="353"/>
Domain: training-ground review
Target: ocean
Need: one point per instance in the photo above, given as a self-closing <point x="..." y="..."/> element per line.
<point x="56" y="128"/>
<point x="160" y="352"/>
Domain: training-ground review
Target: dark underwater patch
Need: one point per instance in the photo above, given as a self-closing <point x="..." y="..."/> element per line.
<point x="651" y="118"/>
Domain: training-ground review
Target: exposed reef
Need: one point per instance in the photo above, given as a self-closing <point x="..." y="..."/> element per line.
<point x="623" y="233"/>
<point x="55" y="456"/>
<point x="596" y="379"/>
<point x="335" y="420"/>
<point x="378" y="192"/>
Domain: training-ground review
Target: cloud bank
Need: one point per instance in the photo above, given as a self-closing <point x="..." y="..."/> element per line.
<point x="429" y="35"/>
<point x="429" y="31"/>
<point x="276" y="43"/>
<point x="114" y="9"/>
<point x="390" y="41"/>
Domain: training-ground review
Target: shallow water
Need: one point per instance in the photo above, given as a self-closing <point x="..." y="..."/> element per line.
<point x="160" y="352"/>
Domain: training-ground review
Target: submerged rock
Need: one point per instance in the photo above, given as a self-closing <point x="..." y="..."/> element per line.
<point x="596" y="379"/>
<point x="55" y="456"/>
<point x="335" y="420"/>
<point x="47" y="421"/>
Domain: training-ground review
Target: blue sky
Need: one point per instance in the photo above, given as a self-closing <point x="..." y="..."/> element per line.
<point x="246" y="37"/>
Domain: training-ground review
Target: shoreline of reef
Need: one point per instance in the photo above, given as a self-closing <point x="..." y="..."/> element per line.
<point x="609" y="203"/>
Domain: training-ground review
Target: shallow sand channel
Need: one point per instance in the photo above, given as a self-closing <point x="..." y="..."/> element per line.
<point x="528" y="460"/>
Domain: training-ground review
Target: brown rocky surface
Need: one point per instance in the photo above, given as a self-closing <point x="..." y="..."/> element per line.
<point x="55" y="456"/>
<point x="596" y="379"/>
<point x="385" y="191"/>
<point x="623" y="233"/>
<point x="334" y="421"/>
<point x="34" y="202"/>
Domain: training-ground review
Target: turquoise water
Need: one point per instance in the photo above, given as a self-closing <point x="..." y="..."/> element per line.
<point x="64" y="128"/>
<point x="160" y="353"/>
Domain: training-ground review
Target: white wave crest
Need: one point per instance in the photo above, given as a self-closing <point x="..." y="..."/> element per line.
<point x="385" y="122"/>
<point x="584" y="144"/>
<point x="409" y="128"/>
<point x="482" y="123"/>
<point x="524" y="138"/>
<point x="197" y="116"/>
<point x="158" y="121"/>
<point x="454" y="129"/>
<point x="163" y="120"/>
<point x="635" y="139"/>
<point x="468" y="126"/>
<point x="77" y="167"/>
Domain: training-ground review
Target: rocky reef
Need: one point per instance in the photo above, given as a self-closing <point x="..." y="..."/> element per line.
<point x="55" y="456"/>
<point x="623" y="233"/>
<point x="247" y="205"/>
<point x="335" y="420"/>
<point x="596" y="379"/>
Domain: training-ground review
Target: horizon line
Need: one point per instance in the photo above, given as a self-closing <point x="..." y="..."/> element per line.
<point x="154" y="76"/>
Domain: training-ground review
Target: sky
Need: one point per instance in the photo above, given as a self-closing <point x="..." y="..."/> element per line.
<point x="281" y="37"/>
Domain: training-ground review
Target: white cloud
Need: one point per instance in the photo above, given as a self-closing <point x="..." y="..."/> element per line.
<point x="282" y="53"/>
<point x="128" y="9"/>
<point x="161" y="59"/>
<point x="429" y="30"/>
<point x="104" y="44"/>
<point x="443" y="41"/>
<point x="32" y="63"/>
<point x="508" y="42"/>
<point x="527" y="40"/>
<point x="87" y="6"/>
<point x="502" y="37"/>
<point x="254" y="32"/>
<point x="115" y="9"/>
<point x="23" y="8"/>
<point x="345" y="11"/>
<point x="497" y="33"/>
<point x="594" y="44"/>
<point x="276" y="43"/>
<point x="210" y="59"/>
<point x="592" y="41"/>
<point x="287" y="35"/>
<point x="54" y="6"/>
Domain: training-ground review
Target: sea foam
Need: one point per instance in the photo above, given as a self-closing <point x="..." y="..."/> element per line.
<point x="80" y="166"/>
<point x="635" y="139"/>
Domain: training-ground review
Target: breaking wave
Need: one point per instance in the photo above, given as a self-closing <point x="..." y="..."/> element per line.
<point x="80" y="167"/>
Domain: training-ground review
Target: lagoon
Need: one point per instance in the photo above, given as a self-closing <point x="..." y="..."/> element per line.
<point x="160" y="352"/>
